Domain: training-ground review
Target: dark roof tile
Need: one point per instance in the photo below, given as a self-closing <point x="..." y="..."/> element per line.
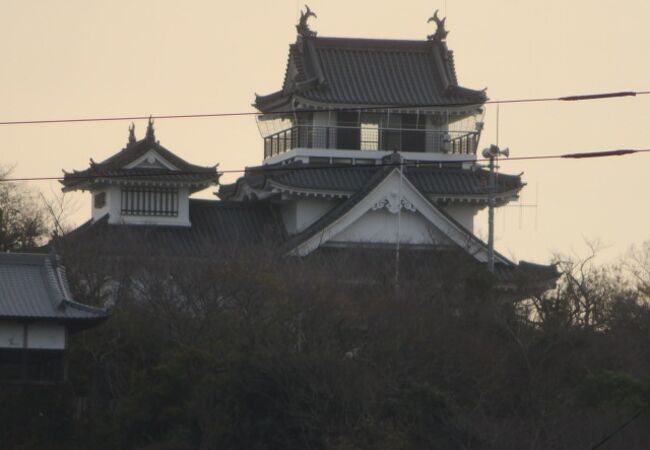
<point x="114" y="168"/>
<point x="215" y="226"/>
<point x="34" y="286"/>
<point x="371" y="72"/>
<point x="429" y="180"/>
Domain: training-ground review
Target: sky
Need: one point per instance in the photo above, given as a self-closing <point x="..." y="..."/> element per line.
<point x="70" y="59"/>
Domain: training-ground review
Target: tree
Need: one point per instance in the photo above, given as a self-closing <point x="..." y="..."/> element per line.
<point x="23" y="220"/>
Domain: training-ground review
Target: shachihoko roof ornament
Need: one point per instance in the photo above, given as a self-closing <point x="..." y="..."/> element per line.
<point x="132" y="139"/>
<point x="150" y="136"/>
<point x="440" y="33"/>
<point x="303" y="26"/>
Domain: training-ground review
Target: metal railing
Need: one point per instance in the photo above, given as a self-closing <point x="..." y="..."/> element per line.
<point x="371" y="138"/>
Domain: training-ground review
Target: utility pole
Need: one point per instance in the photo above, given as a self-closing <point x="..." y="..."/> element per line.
<point x="491" y="153"/>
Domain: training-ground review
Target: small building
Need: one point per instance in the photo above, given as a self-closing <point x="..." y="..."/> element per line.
<point x="37" y="316"/>
<point x="143" y="184"/>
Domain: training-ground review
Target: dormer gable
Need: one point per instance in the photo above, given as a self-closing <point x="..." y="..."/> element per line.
<point x="142" y="184"/>
<point x="151" y="160"/>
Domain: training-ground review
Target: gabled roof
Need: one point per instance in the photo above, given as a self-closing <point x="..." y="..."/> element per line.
<point x="318" y="234"/>
<point x="370" y="72"/>
<point x="119" y="168"/>
<point x="443" y="184"/>
<point x="376" y="194"/>
<point x="34" y="286"/>
<point x="216" y="226"/>
<point x="337" y="212"/>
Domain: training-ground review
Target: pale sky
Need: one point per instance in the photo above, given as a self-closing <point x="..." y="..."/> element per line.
<point x="121" y="58"/>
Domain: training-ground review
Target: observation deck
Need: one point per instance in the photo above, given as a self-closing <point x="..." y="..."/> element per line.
<point x="371" y="138"/>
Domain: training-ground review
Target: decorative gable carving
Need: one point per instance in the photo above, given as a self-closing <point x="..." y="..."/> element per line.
<point x="422" y="223"/>
<point x="151" y="160"/>
<point x="394" y="202"/>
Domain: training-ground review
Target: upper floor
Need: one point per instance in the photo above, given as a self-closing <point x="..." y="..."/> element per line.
<point x="356" y="99"/>
<point x="364" y="137"/>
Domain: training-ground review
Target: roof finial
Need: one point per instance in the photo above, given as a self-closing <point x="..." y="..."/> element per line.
<point x="132" y="134"/>
<point x="150" y="131"/>
<point x="303" y="27"/>
<point x="440" y="33"/>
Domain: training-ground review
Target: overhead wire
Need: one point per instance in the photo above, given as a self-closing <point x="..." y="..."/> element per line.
<point x="307" y="167"/>
<point x="569" y="98"/>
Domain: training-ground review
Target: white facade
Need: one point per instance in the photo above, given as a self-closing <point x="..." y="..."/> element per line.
<point x="32" y="336"/>
<point x="113" y="207"/>
<point x="303" y="154"/>
<point x="12" y="334"/>
<point x="383" y="227"/>
<point x="463" y="214"/>
<point x="299" y="214"/>
<point x="395" y="212"/>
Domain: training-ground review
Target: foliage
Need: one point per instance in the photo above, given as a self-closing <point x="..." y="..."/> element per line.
<point x="254" y="352"/>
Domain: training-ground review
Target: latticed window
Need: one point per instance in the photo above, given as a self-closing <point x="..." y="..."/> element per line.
<point x="143" y="201"/>
<point x="100" y="200"/>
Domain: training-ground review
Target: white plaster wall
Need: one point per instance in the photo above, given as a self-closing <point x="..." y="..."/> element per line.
<point x="112" y="192"/>
<point x="321" y="122"/>
<point x="380" y="227"/>
<point x="433" y="136"/>
<point x="288" y="213"/>
<point x="11" y="334"/>
<point x="305" y="153"/>
<point x="299" y="214"/>
<point x="464" y="214"/>
<point x="50" y="336"/>
<point x="309" y="211"/>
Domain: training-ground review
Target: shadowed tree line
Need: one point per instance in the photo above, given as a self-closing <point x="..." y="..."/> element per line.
<point x="250" y="351"/>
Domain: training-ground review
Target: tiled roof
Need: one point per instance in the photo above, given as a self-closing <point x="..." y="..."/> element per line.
<point x="370" y="72"/>
<point x="342" y="208"/>
<point x="113" y="168"/>
<point x="427" y="264"/>
<point x="215" y="226"/>
<point x="34" y="286"/>
<point x="429" y="180"/>
<point x="338" y="211"/>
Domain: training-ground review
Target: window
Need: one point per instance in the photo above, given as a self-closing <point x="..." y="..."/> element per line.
<point x="413" y="134"/>
<point x="391" y="134"/>
<point x="348" y="133"/>
<point x="369" y="132"/>
<point x="319" y="160"/>
<point x="141" y="201"/>
<point x="100" y="200"/>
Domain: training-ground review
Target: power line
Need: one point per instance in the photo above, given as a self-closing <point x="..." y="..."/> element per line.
<point x="570" y="98"/>
<point x="285" y="168"/>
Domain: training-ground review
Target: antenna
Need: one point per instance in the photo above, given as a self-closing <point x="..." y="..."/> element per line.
<point x="522" y="207"/>
<point x="497" y="127"/>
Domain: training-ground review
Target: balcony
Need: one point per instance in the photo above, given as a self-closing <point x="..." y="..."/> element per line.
<point x="371" y="138"/>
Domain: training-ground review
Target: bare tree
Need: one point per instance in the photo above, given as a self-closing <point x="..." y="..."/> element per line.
<point x="23" y="223"/>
